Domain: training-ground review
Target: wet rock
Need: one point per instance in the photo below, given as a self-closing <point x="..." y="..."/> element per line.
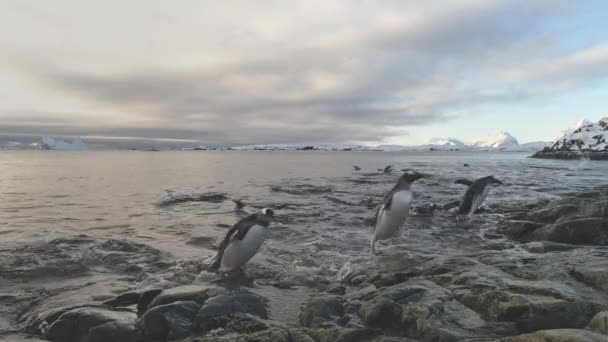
<point x="551" y="214"/>
<point x="599" y="323"/>
<point x="82" y="324"/>
<point x="595" y="275"/>
<point x="171" y="198"/>
<point x="145" y="299"/>
<point x="218" y="311"/>
<point x="594" y="209"/>
<point x="245" y="324"/>
<point x="519" y="230"/>
<point x="141" y="298"/>
<point x="549" y="313"/>
<point x="559" y="335"/>
<point x="322" y="311"/>
<point x="546" y="247"/>
<point x="273" y="334"/>
<point x="498" y="245"/>
<point x="114" y="332"/>
<point x="124" y="255"/>
<point x="169" y="321"/>
<point x="49" y="311"/>
<point x="189" y="293"/>
<point x="56" y="258"/>
<point x="590" y="231"/>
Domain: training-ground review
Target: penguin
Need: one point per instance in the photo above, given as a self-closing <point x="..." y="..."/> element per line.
<point x="393" y="211"/>
<point x="356" y="168"/>
<point x="475" y="194"/>
<point x="243" y="241"/>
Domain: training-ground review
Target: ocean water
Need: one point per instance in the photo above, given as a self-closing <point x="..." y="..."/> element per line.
<point x="51" y="194"/>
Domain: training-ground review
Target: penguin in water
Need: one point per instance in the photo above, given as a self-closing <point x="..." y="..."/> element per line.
<point x="243" y="241"/>
<point x="475" y="194"/>
<point x="393" y="211"/>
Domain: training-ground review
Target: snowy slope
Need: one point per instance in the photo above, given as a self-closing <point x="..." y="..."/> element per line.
<point x="499" y="140"/>
<point x="584" y="136"/>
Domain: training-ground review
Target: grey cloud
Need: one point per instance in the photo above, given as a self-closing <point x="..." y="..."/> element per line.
<point x="356" y="87"/>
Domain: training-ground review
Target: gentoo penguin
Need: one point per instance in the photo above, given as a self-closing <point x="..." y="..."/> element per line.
<point x="243" y="241"/>
<point x="393" y="211"/>
<point x="476" y="194"/>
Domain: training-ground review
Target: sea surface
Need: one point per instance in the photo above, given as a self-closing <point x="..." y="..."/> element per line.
<point x="323" y="203"/>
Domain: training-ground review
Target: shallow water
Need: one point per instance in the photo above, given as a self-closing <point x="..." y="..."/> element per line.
<point x="320" y="230"/>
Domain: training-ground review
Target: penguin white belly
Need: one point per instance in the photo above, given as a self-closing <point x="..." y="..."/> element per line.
<point x="478" y="200"/>
<point x="239" y="252"/>
<point x="391" y="221"/>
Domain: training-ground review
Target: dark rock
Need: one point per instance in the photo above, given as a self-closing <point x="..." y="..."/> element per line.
<point x="273" y="334"/>
<point x="337" y="289"/>
<point x="145" y="299"/>
<point x="590" y="231"/>
<point x="169" y="321"/>
<point x="321" y="311"/>
<point x="519" y="230"/>
<point x="245" y="324"/>
<point x="551" y="214"/>
<point x="546" y="247"/>
<point x="80" y="324"/>
<point x="172" y="198"/>
<point x="218" y="311"/>
<point x="559" y="335"/>
<point x="194" y="293"/>
<point x="114" y="332"/>
<point x="594" y="275"/>
<point x="599" y="323"/>
<point x="571" y="155"/>
<point x="594" y="209"/>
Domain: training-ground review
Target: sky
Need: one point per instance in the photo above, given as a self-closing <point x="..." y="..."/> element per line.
<point x="254" y="72"/>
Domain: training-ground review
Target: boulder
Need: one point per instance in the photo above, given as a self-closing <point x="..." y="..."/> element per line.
<point x="594" y="209"/>
<point x="81" y="324"/>
<point x="589" y="231"/>
<point x="559" y="335"/>
<point x="218" y="311"/>
<point x="599" y="323"/>
<point x="594" y="275"/>
<point x="519" y="230"/>
<point x="189" y="293"/>
<point x="322" y="311"/>
<point x="169" y="321"/>
<point x="546" y="247"/>
<point x="552" y="213"/>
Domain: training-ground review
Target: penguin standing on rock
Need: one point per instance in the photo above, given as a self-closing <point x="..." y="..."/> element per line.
<point x="393" y="212"/>
<point x="243" y="241"/>
<point x="475" y="194"/>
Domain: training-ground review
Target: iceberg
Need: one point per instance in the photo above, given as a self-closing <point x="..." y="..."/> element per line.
<point x="49" y="143"/>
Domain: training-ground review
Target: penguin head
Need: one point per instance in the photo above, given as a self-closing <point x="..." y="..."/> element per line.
<point x="410" y="176"/>
<point x="266" y="215"/>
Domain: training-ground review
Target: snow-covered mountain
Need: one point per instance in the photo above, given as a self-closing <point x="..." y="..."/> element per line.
<point x="447" y="142"/>
<point x="500" y="140"/>
<point x="584" y="136"/>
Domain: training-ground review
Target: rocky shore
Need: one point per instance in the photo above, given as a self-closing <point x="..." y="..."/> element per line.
<point x="571" y="155"/>
<point x="541" y="275"/>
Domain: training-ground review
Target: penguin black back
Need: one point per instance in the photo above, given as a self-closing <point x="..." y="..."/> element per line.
<point x="475" y="190"/>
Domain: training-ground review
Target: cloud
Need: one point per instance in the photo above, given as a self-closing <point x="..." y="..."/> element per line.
<point x="362" y="74"/>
